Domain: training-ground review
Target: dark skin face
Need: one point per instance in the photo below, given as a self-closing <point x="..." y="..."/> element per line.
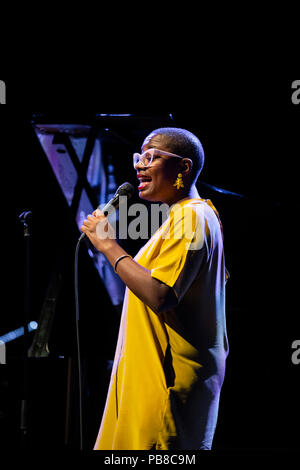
<point x="163" y="173"/>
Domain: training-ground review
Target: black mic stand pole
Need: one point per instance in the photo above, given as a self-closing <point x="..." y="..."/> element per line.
<point x="24" y="399"/>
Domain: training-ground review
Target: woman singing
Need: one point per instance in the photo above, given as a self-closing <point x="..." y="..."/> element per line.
<point x="170" y="357"/>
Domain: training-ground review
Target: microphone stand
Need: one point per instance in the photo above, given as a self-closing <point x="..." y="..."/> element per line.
<point x="24" y="405"/>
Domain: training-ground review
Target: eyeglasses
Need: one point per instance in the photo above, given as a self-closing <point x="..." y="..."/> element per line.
<point x="146" y="158"/>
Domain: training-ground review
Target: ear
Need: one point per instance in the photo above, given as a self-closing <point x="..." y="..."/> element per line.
<point x="186" y="166"/>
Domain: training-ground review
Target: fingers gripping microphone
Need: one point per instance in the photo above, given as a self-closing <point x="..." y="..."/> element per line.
<point x="126" y="189"/>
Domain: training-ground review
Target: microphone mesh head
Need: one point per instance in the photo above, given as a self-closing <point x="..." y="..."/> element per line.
<point x="126" y="189"/>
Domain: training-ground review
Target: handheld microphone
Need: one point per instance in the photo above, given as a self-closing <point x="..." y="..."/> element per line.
<point x="126" y="189"/>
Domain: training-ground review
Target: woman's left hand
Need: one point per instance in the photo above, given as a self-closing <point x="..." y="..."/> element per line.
<point x="99" y="231"/>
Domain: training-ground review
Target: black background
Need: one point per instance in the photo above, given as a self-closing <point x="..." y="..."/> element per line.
<point x="250" y="133"/>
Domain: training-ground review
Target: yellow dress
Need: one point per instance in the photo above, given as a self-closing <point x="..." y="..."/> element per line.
<point x="169" y="368"/>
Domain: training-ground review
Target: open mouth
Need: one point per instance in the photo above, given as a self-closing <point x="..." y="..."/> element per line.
<point x="144" y="182"/>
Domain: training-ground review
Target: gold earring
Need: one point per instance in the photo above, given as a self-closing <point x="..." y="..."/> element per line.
<point x="179" y="182"/>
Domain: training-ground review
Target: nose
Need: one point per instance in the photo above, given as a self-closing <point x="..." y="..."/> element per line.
<point x="138" y="165"/>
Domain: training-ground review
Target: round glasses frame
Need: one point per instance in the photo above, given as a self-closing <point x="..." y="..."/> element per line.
<point x="146" y="157"/>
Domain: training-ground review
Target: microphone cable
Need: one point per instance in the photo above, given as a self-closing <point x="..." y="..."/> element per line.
<point x="79" y="368"/>
<point x="126" y="189"/>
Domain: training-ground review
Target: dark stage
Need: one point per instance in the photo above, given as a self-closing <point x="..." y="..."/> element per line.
<point x="251" y="147"/>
